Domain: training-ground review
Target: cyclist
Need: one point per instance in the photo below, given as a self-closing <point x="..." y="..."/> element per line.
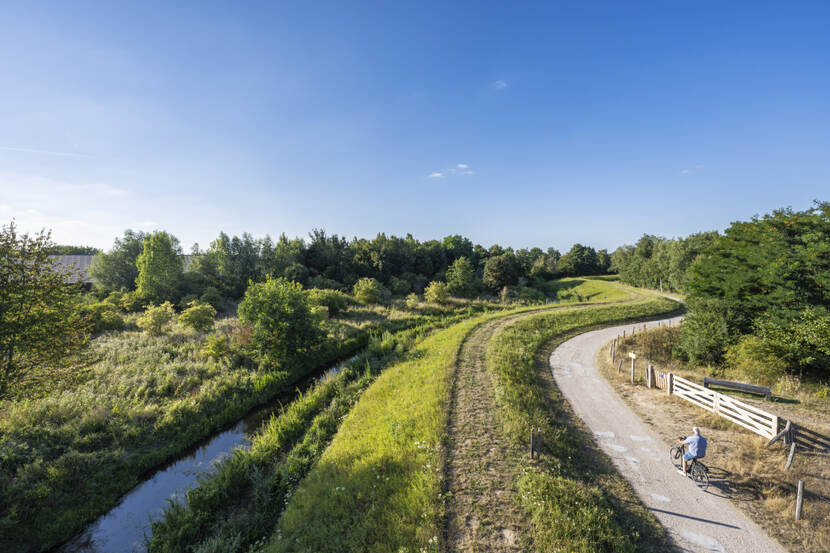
<point x="695" y="448"/>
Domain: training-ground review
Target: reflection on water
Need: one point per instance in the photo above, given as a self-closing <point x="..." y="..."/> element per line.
<point x="125" y="527"/>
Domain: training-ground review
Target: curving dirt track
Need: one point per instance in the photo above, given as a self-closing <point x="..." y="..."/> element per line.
<point x="481" y="464"/>
<point x="695" y="520"/>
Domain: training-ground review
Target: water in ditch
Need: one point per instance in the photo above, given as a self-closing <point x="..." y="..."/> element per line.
<point x="125" y="528"/>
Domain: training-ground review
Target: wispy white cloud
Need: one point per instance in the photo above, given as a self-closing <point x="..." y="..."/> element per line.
<point x="500" y="84"/>
<point x="436" y="175"/>
<point x="44" y="152"/>
<point x="697" y="167"/>
<point x="462" y="166"/>
<point x="468" y="172"/>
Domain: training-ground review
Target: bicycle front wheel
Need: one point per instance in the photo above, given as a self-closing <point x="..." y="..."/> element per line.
<point x="676" y="454"/>
<point x="699" y="476"/>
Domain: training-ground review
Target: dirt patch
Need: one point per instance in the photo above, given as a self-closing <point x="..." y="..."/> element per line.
<point x="743" y="469"/>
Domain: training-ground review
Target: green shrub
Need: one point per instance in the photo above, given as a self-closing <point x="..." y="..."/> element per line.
<point x="279" y="313"/>
<point x="217" y="346"/>
<point x="437" y="292"/>
<point x="212" y="296"/>
<point x="334" y="300"/>
<point x="198" y="316"/>
<point x="131" y="302"/>
<point x="157" y="318"/>
<point x="704" y="333"/>
<point x="413" y="301"/>
<point x="320" y="312"/>
<point x="399" y="286"/>
<point x="530" y="295"/>
<point x="324" y="283"/>
<point x="104" y="316"/>
<point x="753" y="361"/>
<point x="368" y="290"/>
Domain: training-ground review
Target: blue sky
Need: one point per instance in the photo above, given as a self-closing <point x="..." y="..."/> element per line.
<point x="524" y="124"/>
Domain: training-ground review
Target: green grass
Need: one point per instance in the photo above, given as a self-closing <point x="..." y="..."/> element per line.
<point x="574" y="498"/>
<point x="377" y="487"/>
<point x="593" y="289"/>
<point x="234" y="508"/>
<point x="67" y="456"/>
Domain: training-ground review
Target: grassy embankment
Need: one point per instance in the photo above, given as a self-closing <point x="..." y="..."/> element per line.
<point x="743" y="468"/>
<point x="378" y="486"/>
<point x="66" y="457"/>
<point x="233" y="509"/>
<point x="574" y="497"/>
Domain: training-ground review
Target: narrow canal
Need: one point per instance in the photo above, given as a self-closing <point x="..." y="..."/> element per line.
<point x="126" y="527"/>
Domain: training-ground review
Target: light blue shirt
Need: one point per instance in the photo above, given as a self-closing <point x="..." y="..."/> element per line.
<point x="696" y="445"/>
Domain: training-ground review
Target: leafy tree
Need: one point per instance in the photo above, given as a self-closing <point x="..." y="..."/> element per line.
<point x="41" y="321"/>
<point x="461" y="277"/>
<point x="436" y="292"/>
<point x="116" y="269"/>
<point x="160" y="268"/>
<point x="412" y="301"/>
<point x="500" y="271"/>
<point x="775" y="266"/>
<point x="368" y="290"/>
<point x="457" y="247"/>
<point x="157" y="318"/>
<point x="579" y="261"/>
<point x="198" y="316"/>
<point x="704" y="334"/>
<point x="279" y="313"/>
<point x="237" y="260"/>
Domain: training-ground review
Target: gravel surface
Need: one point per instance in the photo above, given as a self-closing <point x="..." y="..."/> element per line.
<point x="696" y="520"/>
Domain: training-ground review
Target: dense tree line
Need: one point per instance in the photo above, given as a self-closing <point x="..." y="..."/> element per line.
<point x="660" y="263"/>
<point x="153" y="266"/>
<point x="758" y="294"/>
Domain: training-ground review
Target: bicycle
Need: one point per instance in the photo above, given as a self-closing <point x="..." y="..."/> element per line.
<point x="696" y="469"/>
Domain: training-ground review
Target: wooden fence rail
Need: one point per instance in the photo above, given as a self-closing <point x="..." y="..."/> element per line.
<point x="743" y="414"/>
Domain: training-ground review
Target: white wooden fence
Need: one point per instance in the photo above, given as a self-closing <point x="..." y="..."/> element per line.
<point x="744" y="414"/>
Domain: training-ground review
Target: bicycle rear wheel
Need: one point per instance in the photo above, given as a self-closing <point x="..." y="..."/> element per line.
<point x="699" y="475"/>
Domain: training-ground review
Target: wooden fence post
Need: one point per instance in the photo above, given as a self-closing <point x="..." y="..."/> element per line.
<point x="632" y="370"/>
<point x="650" y="376"/>
<point x="619" y="367"/>
<point x="613" y="345"/>
<point x="790" y="457"/>
<point x="531" y="443"/>
<point x="799" y="500"/>
<point x="669" y="381"/>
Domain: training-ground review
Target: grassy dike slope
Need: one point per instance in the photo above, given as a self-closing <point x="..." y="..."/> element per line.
<point x="574" y="498"/>
<point x="378" y="486"/>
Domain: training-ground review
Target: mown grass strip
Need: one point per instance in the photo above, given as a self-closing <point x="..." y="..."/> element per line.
<point x="576" y="500"/>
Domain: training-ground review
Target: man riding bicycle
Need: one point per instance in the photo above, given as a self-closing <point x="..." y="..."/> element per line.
<point x="695" y="448"/>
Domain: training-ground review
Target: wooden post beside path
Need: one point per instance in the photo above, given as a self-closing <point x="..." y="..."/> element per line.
<point x="799" y="500"/>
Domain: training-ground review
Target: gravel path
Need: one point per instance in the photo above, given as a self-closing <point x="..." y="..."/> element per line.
<point x="697" y="521"/>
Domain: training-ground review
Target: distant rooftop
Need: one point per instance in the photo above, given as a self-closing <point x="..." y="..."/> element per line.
<point x="78" y="266"/>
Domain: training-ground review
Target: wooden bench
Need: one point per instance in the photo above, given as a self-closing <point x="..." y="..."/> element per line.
<point x="760" y="390"/>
